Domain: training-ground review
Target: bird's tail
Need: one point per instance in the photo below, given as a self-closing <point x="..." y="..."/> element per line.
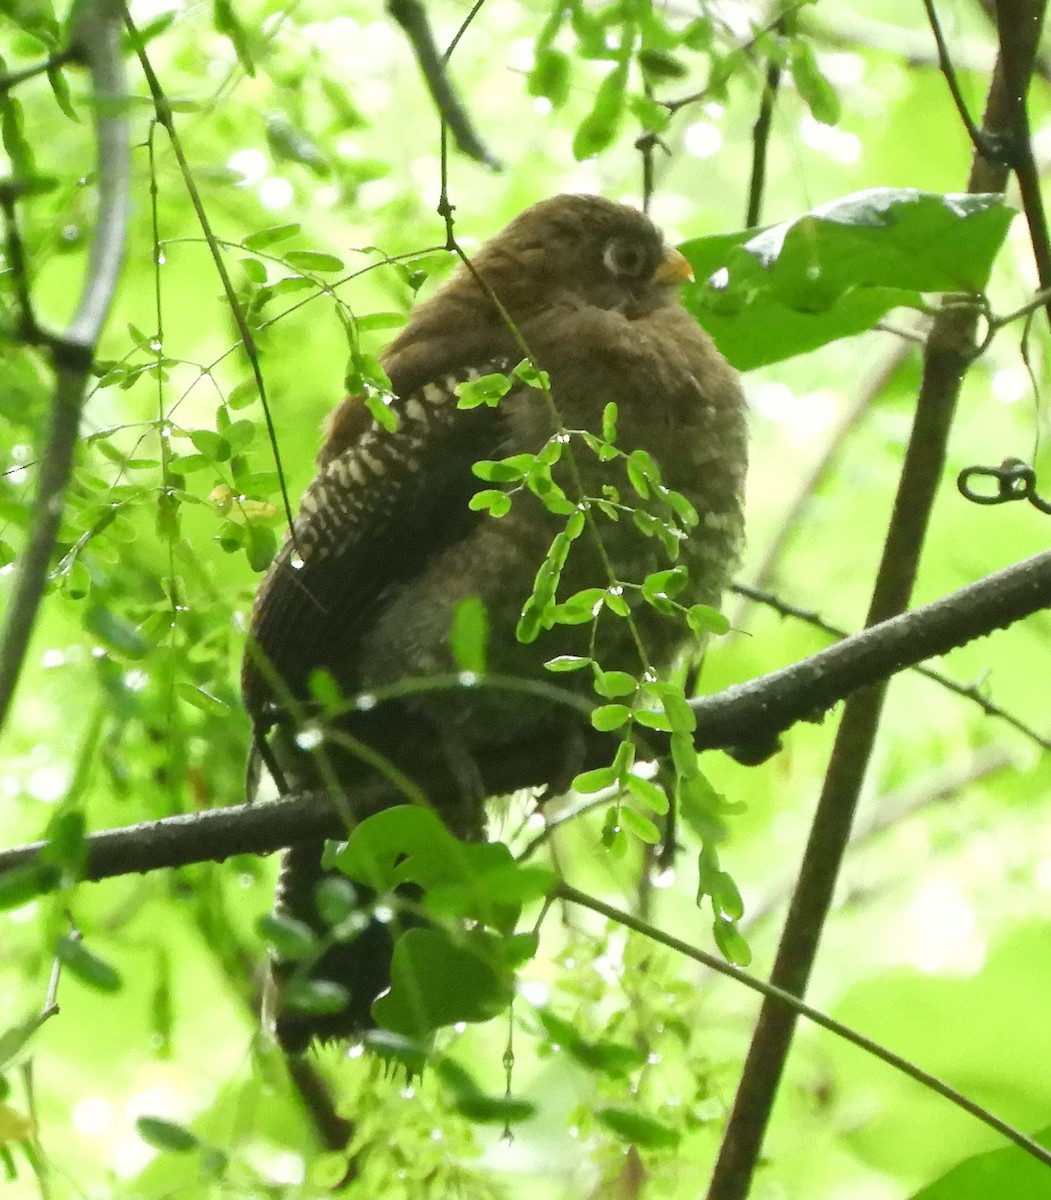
<point x="356" y="959"/>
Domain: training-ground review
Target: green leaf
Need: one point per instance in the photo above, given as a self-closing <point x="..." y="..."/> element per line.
<point x="658" y="65"/>
<point x="380" y="320"/>
<point x="313" y="260"/>
<point x="87" y="966"/>
<point x="507" y="470"/>
<point x="642" y="827"/>
<point x="1007" y="1173"/>
<point x="595" y="781"/>
<point x="837" y="270"/>
<point x="652" y="720"/>
<point x="615" y="602"/>
<point x="605" y="1057"/>
<point x="66" y="847"/>
<point x="637" y="1129"/>
<point x="608" y="717"/>
<point x="663" y="585"/>
<point x="212" y="445"/>
<point x="649" y="793"/>
<point x="166" y="1135"/>
<point x="438" y="979"/>
<point x="116" y="633"/>
<point x="379" y="405"/>
<point x="624" y="759"/>
<point x="318" y="996"/>
<point x="227" y="22"/>
<point x="264" y="238"/>
<point x="409" y="844"/>
<point x="680" y="716"/>
<point x="550" y="77"/>
<point x="614" y="838"/>
<point x="21" y="884"/>
<point x="498" y="504"/>
<point x="254" y="270"/>
<point x="494" y="1110"/>
<point x="612" y="684"/>
<point x="289" y="143"/>
<point x="486" y="389"/>
<point x="609" y="422"/>
<point x="260" y="546"/>
<point x="704" y="619"/>
<point x="469" y="635"/>
<point x="819" y="94"/>
<point x="580" y="607"/>
<point x="14" y="1039"/>
<point x="532" y="376"/>
<point x="289" y="937"/>
<point x="337" y="899"/>
<point x="732" y="946"/>
<point x="569" y="662"/>
<point x="599" y="128"/>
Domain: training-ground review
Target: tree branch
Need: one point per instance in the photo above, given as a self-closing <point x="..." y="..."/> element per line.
<point x="749" y="716"/>
<point x="96" y="37"/>
<point x="412" y="17"/>
<point x="949" y="351"/>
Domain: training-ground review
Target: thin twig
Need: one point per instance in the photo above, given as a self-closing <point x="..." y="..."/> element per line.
<point x="783" y="999"/>
<point x="761" y="137"/>
<point x="163" y="111"/>
<point x="11" y="79"/>
<point x="945" y="64"/>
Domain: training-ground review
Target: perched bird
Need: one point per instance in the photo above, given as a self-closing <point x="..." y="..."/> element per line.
<point x="385" y="547"/>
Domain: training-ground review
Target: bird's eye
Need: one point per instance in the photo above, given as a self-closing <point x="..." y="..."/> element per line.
<point x="624" y="257"/>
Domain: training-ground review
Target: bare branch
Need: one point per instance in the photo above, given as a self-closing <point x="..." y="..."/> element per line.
<point x="968" y="691"/>
<point x="412" y="17"/>
<point x="950" y="350"/>
<point x="750" y="715"/>
<point x="96" y="35"/>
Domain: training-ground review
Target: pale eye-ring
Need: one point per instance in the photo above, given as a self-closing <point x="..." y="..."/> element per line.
<point x="622" y="256"/>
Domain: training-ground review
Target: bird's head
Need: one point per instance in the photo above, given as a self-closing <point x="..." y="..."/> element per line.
<point x="582" y="249"/>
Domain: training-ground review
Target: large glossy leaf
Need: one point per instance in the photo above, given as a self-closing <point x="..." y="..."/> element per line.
<point x="837" y="270"/>
<point x="1009" y="1173"/>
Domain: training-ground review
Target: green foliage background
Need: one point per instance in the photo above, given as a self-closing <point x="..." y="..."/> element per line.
<point x="314" y="114"/>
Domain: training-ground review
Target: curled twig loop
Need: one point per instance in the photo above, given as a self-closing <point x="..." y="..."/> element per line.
<point x="1015" y="480"/>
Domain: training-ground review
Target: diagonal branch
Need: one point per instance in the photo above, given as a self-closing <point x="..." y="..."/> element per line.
<point x="764" y="707"/>
<point x="949" y="352"/>
<point x="412" y="17"/>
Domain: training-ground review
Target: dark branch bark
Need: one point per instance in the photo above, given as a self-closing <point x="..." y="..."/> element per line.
<point x="949" y="351"/>
<point x="748" y="717"/>
<point x="412" y="17"/>
<point x="96" y="36"/>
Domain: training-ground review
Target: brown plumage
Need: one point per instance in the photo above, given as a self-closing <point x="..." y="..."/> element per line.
<point x="386" y="546"/>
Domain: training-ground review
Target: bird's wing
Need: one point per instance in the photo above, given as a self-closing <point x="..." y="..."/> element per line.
<point x="375" y="514"/>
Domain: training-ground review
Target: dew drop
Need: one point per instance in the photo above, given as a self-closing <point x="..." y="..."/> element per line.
<point x="309" y="738"/>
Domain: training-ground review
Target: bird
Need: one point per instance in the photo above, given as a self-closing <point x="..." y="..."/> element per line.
<point x="386" y="546"/>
